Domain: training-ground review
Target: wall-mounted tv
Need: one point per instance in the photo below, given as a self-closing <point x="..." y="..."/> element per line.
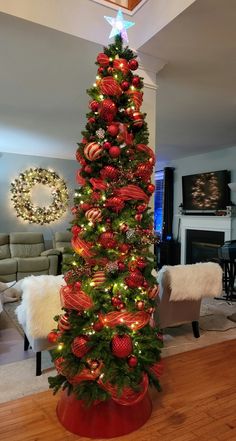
<point x="206" y="192"/>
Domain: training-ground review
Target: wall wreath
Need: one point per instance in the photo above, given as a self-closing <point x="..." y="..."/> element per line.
<point x="21" y="189"/>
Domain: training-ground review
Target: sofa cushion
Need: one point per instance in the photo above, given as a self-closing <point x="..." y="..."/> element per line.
<point x="4" y="246"/>
<point x="8" y="266"/>
<point x="32" y="264"/>
<point x="26" y="244"/>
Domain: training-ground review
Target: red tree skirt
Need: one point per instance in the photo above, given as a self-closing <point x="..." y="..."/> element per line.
<point x="104" y="420"/>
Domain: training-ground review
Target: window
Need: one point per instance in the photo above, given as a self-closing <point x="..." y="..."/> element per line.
<point x="158" y="202"/>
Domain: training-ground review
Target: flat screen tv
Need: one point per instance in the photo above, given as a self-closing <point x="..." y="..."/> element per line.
<point x="206" y="192"/>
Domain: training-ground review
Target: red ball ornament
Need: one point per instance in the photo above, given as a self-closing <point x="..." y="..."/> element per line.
<point x="114" y="151"/>
<point x="78" y="285"/>
<point x="101" y="70"/>
<point x="94" y="105"/>
<point x="113" y="129"/>
<point x="151" y="188"/>
<point x="116" y="204"/>
<point x="103" y="59"/>
<point x="93" y="151"/>
<point x="63" y="323"/>
<point x="76" y="229"/>
<point x="136" y="81"/>
<point x="124" y="248"/>
<point x="120" y="306"/>
<point x="121" y="345"/>
<point x="88" y="169"/>
<point x="98" y="326"/>
<point x="121" y="266"/>
<point x="107" y="145"/>
<point x="107" y="110"/>
<point x="138" y="217"/>
<point x="129" y="111"/>
<point x="133" y="64"/>
<point x="110" y="70"/>
<point x="115" y="301"/>
<point x="107" y="240"/>
<point x="80" y="346"/>
<point x="140" y="305"/>
<point x="52" y="337"/>
<point x="132" y="361"/>
<point x="141" y="208"/>
<point x="91" y="120"/>
<point x="124" y="85"/>
<point x="141" y="263"/>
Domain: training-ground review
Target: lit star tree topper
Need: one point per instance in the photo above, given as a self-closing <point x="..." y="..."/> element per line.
<point x="119" y="25"/>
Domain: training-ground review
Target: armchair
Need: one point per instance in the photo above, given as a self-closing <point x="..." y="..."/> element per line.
<point x="62" y="243"/>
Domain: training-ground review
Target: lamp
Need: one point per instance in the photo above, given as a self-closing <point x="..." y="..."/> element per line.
<point x="232" y="186"/>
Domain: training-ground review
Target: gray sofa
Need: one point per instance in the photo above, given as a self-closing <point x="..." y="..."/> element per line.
<point x="23" y="254"/>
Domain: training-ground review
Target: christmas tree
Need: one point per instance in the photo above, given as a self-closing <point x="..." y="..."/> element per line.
<point x="108" y="344"/>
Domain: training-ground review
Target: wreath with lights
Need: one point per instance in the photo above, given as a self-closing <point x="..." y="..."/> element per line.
<point x="21" y="196"/>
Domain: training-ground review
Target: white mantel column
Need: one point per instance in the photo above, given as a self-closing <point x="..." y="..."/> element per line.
<point x="148" y="68"/>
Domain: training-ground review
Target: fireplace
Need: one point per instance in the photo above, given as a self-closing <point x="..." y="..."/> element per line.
<point x="202" y="245"/>
<point x="203" y="235"/>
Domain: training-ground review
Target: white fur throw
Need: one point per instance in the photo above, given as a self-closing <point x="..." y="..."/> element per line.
<point x="192" y="282"/>
<point x="40" y="303"/>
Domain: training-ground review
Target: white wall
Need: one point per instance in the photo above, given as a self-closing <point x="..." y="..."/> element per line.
<point x="11" y="166"/>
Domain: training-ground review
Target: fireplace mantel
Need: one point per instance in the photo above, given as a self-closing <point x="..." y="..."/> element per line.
<point x="207" y="223"/>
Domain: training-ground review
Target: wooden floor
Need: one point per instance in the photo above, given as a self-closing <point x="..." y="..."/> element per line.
<point x="198" y="402"/>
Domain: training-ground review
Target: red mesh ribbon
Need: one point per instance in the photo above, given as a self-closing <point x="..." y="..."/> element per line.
<point x="157" y="369"/>
<point x="80" y="179"/>
<point x="146" y="149"/>
<point x="128" y="396"/>
<point x="84" y="375"/>
<point x="132" y="192"/>
<point x="73" y="298"/>
<point x="98" y="184"/>
<point x="136" y="97"/>
<point x="81" y="247"/>
<point x="134" y="320"/>
<point x="109" y="86"/>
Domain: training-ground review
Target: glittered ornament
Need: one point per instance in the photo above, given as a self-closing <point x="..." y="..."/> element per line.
<point x="103" y="59"/>
<point x="100" y="133"/>
<point x="63" y="323"/>
<point x="115" y="301"/>
<point x="109" y="172"/>
<point x="94" y="105"/>
<point x="114" y="151"/>
<point x="132" y="361"/>
<point x="133" y="64"/>
<point x="80" y="346"/>
<point x="112" y="267"/>
<point x="108" y="110"/>
<point x="98" y="278"/>
<point x="124" y="248"/>
<point x="52" y="337"/>
<point x="121" y="345"/>
<point x="135" y="279"/>
<point x="107" y="240"/>
<point x="122" y="65"/>
<point x="130" y="233"/>
<point x="121" y="266"/>
<point x="109" y="86"/>
<point x="93" y="151"/>
<point x="141" y="208"/>
<point x="94" y="215"/>
<point x="113" y="129"/>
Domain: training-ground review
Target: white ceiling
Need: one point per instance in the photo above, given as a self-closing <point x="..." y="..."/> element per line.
<point x="44" y="75"/>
